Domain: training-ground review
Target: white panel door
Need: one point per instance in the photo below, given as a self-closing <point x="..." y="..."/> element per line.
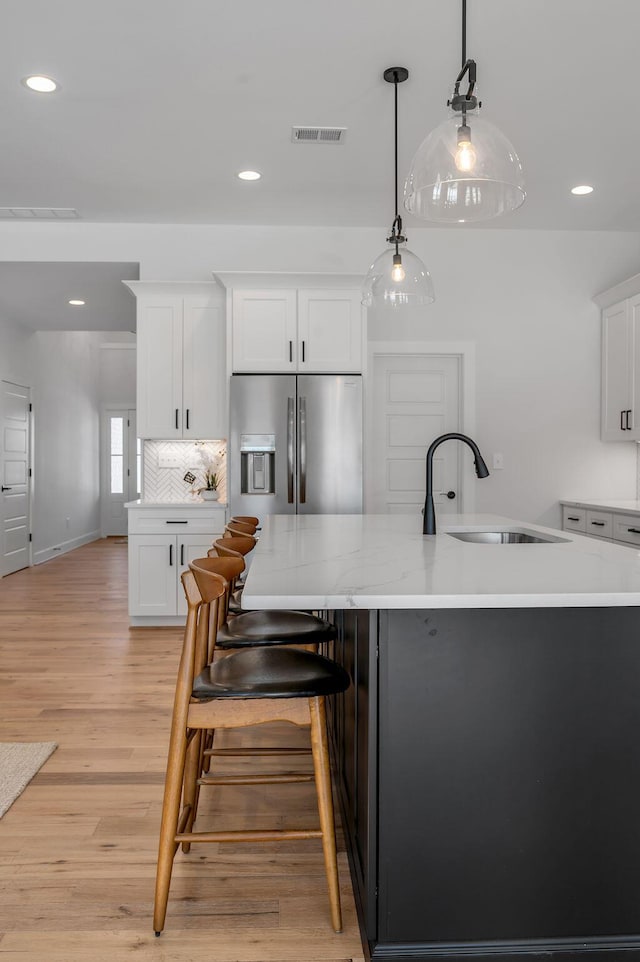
<point x="615" y="372"/>
<point x="329" y="331"/>
<point x="14" y="475"/>
<point x="415" y="398"/>
<point x="204" y="369"/>
<point x="264" y="331"/>
<point x="159" y="367"/>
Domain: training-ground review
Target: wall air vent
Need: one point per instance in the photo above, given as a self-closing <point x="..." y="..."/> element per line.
<point x="39" y="213"/>
<point x="318" y="135"/>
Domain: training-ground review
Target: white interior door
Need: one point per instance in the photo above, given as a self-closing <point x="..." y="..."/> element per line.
<point x="415" y="398"/>
<point x="121" y="476"/>
<point x="14" y="474"/>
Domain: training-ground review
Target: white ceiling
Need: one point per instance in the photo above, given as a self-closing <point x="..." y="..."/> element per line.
<point x="36" y="295"/>
<point x="161" y="102"/>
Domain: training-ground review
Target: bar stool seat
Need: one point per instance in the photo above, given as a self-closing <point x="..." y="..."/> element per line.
<point x="274" y="627"/>
<point x="271" y="673"/>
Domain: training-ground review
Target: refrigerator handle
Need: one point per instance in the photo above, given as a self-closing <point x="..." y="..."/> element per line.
<point x="302" y="442"/>
<point x="290" y="448"/>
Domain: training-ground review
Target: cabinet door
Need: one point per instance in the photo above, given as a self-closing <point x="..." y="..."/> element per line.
<point x="633" y="434"/>
<point x="189" y="548"/>
<point x="153" y="563"/>
<point x="330" y="331"/>
<point x="615" y="372"/>
<point x="159" y="367"/>
<point x="264" y="331"/>
<point x="204" y="366"/>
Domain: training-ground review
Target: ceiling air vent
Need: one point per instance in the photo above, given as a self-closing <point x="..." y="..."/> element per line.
<point x="39" y="213"/>
<point x="318" y="135"/>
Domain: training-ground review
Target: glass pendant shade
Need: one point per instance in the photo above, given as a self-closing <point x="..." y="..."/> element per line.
<point x="397" y="280"/>
<point x="465" y="170"/>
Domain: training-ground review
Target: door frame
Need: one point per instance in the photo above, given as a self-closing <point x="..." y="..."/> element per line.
<point x="104" y="453"/>
<point x="465" y="351"/>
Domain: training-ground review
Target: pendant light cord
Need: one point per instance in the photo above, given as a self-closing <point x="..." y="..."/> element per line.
<point x="464" y="32"/>
<point x="397" y="224"/>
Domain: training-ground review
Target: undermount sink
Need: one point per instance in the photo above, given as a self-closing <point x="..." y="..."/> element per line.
<point x="505" y="537"/>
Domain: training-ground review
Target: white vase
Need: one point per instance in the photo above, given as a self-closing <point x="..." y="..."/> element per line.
<point x="209" y="495"/>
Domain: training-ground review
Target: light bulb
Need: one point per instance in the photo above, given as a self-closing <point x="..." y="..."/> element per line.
<point x="397" y="271"/>
<point x="465" y="158"/>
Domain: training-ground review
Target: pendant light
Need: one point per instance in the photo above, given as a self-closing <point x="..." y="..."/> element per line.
<point x="397" y="278"/>
<point x="465" y="170"/>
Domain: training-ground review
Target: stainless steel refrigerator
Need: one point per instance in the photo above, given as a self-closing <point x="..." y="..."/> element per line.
<point x="295" y="444"/>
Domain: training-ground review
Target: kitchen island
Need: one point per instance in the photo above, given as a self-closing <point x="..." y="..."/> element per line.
<point x="487" y="752"/>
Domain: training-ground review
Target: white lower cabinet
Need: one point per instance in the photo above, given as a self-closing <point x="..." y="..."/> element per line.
<point x="611" y="525"/>
<point x="162" y="542"/>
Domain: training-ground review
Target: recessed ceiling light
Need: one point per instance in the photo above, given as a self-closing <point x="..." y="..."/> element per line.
<point x="582" y="189"/>
<point x="249" y="175"/>
<point x="77" y="303"/>
<point x="42" y="85"/>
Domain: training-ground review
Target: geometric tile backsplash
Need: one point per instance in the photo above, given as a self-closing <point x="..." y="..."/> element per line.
<point x="167" y="483"/>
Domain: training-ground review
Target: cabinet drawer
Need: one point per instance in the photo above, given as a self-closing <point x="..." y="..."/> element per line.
<point x="178" y="521"/>
<point x="626" y="528"/>
<point x="574" y="519"/>
<point x="600" y="524"/>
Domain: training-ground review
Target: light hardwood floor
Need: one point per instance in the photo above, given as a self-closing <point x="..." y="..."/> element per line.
<point x="78" y="848"/>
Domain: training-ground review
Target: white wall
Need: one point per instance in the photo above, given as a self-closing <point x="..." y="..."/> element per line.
<point x="523" y="297"/>
<point x="15" y="354"/>
<point x="66" y="431"/>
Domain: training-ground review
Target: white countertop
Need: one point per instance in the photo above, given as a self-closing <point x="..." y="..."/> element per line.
<point x="621" y="507"/>
<point x="141" y="503"/>
<point x="384" y="561"/>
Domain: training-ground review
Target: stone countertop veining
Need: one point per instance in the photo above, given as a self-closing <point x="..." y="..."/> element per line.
<point x="603" y="504"/>
<point x="384" y="561"/>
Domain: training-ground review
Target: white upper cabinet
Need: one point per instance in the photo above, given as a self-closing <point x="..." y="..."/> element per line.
<point x="621" y="370"/>
<point x="181" y="370"/>
<point x="264" y="331"/>
<point x="315" y="331"/>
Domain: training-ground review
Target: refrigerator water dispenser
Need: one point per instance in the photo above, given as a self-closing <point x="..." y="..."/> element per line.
<point x="257" y="463"/>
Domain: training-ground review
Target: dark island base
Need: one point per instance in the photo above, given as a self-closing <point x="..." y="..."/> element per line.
<point x="489" y="772"/>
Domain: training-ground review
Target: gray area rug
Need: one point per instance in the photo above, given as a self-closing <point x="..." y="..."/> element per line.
<point x="19" y="762"/>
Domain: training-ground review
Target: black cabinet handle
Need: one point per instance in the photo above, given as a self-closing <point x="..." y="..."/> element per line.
<point x="451" y="495"/>
<point x="187" y="412"/>
<point x="572" y="519"/>
<point x="171" y="556"/>
<point x="182" y="555"/>
<point x="622" y="427"/>
<point x="627" y="425"/>
<point x="633" y="530"/>
<point x="599" y="524"/>
<point x="303" y="351"/>
<point x="177" y="419"/>
<point x="291" y="350"/>
<point x="176" y="522"/>
<point x="6" y="488"/>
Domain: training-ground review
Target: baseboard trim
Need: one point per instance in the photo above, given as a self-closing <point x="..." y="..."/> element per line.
<point x="46" y="554"/>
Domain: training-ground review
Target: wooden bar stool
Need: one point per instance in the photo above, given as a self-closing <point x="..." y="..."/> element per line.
<point x="240" y="527"/>
<point x="272" y="627"/>
<point x="233" y="546"/>
<point x="246" y="688"/>
<point x="249" y="519"/>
